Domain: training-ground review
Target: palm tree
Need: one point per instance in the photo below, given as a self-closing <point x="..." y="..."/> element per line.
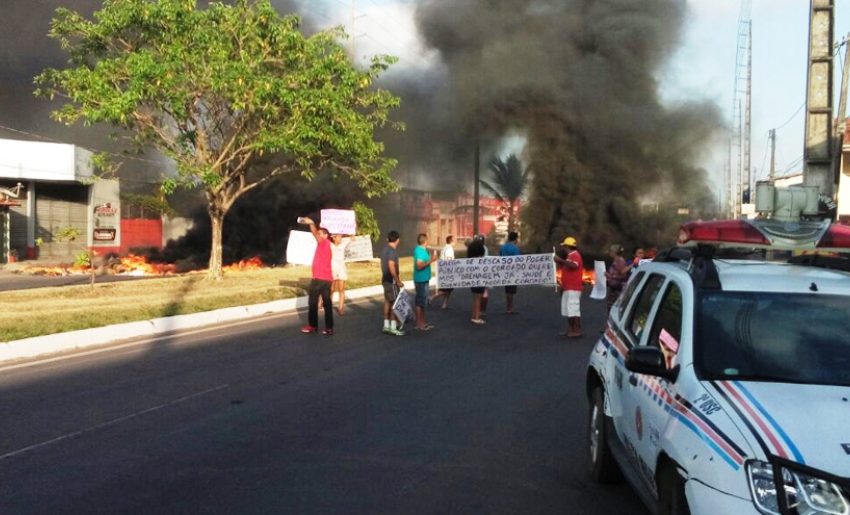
<point x="509" y="184"/>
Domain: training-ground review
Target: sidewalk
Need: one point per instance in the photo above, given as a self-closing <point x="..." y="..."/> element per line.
<point x="39" y="346"/>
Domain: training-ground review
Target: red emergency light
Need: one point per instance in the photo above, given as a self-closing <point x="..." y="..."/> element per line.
<point x="722" y="232"/>
<point x="772" y="234"/>
<point x="836" y="237"/>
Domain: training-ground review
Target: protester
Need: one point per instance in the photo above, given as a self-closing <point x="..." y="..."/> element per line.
<point x="320" y="285"/>
<point x="635" y="259"/>
<point x="421" y="278"/>
<point x="510" y="249"/>
<point x="571" y="286"/>
<point x="485" y="296"/>
<point x="391" y="283"/>
<point x="476" y="249"/>
<point x="616" y="275"/>
<point x="447" y="253"/>
<point x="339" y="268"/>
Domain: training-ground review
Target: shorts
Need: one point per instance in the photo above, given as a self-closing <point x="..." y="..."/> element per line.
<point x="340" y="275"/>
<point x="421" y="294"/>
<point x="571" y="303"/>
<point x="510" y="290"/>
<point x="477" y="289"/>
<point x="390" y="292"/>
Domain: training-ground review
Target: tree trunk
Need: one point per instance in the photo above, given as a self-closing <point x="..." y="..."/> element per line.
<point x="217" y="221"/>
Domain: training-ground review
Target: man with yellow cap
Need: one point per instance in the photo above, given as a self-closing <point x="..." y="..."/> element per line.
<point x="571" y="287"/>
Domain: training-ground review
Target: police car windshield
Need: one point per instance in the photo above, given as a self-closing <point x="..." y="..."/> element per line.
<point x="798" y="338"/>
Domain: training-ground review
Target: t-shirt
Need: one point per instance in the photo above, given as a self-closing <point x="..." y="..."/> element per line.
<point x="571" y="278"/>
<point x="322" y="261"/>
<point x="448" y="252"/>
<point x="476" y="249"/>
<point x="388" y="254"/>
<point x="509" y="249"/>
<point x="420" y="253"/>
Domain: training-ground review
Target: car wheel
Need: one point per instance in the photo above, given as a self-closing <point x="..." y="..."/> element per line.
<point x="671" y="492"/>
<point x="603" y="468"/>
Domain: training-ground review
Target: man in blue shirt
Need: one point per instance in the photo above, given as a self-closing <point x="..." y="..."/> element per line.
<point x="421" y="277"/>
<point x="510" y="249"/>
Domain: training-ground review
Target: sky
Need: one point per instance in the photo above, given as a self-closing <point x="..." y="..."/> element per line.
<point x="703" y="67"/>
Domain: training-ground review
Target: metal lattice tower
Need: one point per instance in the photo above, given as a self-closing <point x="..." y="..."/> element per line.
<point x="738" y="170"/>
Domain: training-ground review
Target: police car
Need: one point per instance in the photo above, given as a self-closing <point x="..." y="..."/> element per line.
<point x="722" y="385"/>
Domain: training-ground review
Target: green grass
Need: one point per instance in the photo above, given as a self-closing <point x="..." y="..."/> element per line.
<point x="41" y="311"/>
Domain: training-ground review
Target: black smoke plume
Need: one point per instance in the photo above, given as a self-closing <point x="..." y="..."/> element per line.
<point x="610" y="162"/>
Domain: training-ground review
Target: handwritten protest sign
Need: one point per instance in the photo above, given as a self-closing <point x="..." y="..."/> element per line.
<point x="496" y="271"/>
<point x="402" y="308"/>
<point x="360" y="249"/>
<point x="300" y="248"/>
<point x="339" y="221"/>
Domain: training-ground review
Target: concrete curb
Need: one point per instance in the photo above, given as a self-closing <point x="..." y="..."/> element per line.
<point x="39" y="346"/>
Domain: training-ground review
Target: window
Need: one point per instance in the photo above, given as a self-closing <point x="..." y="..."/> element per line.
<point x="627" y="295"/>
<point x="667" y="328"/>
<point x="766" y="336"/>
<point x="640" y="313"/>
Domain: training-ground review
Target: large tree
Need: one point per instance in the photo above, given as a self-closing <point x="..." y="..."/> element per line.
<point x="234" y="94"/>
<point x="508" y="184"/>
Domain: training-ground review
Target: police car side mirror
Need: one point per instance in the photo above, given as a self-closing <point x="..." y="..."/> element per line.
<point x="650" y="361"/>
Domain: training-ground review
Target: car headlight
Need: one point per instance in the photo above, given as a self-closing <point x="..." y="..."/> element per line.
<point x="804" y="493"/>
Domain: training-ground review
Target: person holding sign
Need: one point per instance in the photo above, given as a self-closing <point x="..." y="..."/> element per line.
<point x="421" y="277"/>
<point x="391" y="283"/>
<point x="320" y="285"/>
<point x="447" y="253"/>
<point x="477" y="249"/>
<point x="571" y="287"/>
<point x="510" y="249"/>
<point x="339" y="269"/>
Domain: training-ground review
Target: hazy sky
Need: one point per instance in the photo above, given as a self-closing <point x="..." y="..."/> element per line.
<point x="702" y="68"/>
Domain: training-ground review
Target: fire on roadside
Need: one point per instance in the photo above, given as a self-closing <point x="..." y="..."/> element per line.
<point x="139" y="265"/>
<point x="254" y="263"/>
<point x="587" y="277"/>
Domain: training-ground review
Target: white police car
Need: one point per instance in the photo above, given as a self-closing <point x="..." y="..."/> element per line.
<point x="722" y="386"/>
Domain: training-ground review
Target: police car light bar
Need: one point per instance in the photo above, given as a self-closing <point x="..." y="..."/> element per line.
<point x="770" y="233"/>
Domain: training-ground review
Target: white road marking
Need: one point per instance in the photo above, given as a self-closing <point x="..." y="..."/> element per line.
<point x="109" y="423"/>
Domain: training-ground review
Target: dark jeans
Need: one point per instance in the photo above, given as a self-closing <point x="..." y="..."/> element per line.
<point x="319" y="287"/>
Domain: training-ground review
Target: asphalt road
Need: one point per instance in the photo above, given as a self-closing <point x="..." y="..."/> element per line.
<point x="258" y="418"/>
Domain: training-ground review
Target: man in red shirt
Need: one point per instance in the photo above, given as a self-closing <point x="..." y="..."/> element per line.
<point x="571" y="287"/>
<point x="321" y="283"/>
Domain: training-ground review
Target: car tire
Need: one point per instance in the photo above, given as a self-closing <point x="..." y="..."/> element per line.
<point x="603" y="468"/>
<point x="671" y="492"/>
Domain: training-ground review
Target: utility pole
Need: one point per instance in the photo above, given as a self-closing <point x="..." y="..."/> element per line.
<point x="818" y="143"/>
<point x="746" y="165"/>
<point x="772" y="175"/>
<point x="476" y="200"/>
<point x="841" y="115"/>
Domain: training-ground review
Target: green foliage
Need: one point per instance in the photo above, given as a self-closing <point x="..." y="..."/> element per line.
<point x="234" y="94"/>
<point x="153" y="203"/>
<point x="366" y="221"/>
<point x="509" y="179"/>
<point x="83" y="259"/>
<point x="68" y="233"/>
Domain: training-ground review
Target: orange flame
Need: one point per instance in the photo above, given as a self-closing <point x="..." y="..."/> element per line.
<point x="254" y="263"/>
<point x="139" y="265"/>
<point x="588" y="277"/>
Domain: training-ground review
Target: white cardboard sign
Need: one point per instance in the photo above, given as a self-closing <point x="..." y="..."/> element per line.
<point x="600" y="285"/>
<point x="496" y="271"/>
<point x="339" y="221"/>
<point x="359" y="249"/>
<point x="300" y="248"/>
<point x="402" y="308"/>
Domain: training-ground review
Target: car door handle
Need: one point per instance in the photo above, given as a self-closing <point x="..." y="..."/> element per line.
<point x="632" y="379"/>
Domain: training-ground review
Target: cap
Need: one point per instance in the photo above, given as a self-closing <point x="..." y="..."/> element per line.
<point x="479" y="237"/>
<point x="569" y="241"/>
